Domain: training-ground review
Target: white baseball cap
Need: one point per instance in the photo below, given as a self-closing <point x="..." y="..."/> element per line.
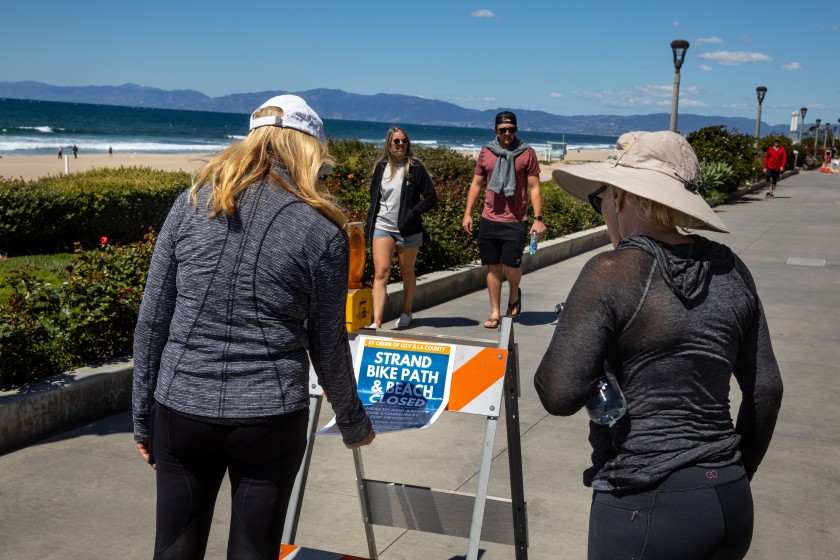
<point x="296" y="114"/>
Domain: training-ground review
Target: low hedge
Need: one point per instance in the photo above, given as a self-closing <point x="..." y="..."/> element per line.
<point x="88" y="317"/>
<point x="51" y="214"/>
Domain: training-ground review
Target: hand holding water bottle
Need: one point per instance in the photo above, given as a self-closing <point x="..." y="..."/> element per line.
<point x="532" y="248"/>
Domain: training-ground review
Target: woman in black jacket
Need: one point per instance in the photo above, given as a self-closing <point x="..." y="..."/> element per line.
<point x="401" y="191"/>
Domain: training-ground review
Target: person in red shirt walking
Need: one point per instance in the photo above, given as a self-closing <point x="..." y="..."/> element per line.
<point x="774" y="163"/>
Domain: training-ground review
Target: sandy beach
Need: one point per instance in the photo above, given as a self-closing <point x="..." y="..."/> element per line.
<point x="33" y="167"/>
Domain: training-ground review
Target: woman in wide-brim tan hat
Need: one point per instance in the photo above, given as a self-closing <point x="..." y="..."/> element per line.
<point x="672" y="316"/>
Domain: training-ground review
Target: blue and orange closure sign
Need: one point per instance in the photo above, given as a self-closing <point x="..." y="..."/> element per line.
<point x="406" y="384"/>
<point x="403" y="384"/>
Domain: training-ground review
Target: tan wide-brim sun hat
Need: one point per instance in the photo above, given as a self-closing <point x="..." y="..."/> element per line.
<point x="659" y="166"/>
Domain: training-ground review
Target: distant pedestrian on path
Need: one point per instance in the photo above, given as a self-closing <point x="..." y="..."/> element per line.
<point x="673" y="317"/>
<point x="401" y="191"/>
<point x="75" y="152"/>
<point x="248" y="283"/>
<point x="110" y="151"/>
<point x="510" y="170"/>
<point x="774" y="163"/>
<point x="60" y="151"/>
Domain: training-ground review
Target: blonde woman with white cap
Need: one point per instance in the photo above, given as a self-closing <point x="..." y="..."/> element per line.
<point x="248" y="283"/>
<point x="672" y="316"/>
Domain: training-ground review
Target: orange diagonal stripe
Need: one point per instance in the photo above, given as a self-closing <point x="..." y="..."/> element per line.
<point x="475" y="376"/>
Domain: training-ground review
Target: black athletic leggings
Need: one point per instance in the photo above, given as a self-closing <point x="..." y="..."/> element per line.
<point x="695" y="514"/>
<point x="192" y="457"/>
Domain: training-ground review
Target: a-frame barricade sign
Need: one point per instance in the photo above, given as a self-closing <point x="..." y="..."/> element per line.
<point x="482" y="373"/>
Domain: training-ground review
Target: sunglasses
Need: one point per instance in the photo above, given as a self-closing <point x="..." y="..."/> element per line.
<point x="595" y="200"/>
<point x="398" y="141"/>
<point x="507" y="130"/>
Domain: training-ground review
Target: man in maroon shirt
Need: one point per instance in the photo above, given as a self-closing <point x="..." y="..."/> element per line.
<point x="510" y="170"/>
<point x="774" y="163"/>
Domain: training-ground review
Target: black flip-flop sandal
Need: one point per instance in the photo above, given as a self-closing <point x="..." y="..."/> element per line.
<point x="515" y="306"/>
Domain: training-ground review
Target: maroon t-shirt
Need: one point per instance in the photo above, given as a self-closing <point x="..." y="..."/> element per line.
<point x="501" y="208"/>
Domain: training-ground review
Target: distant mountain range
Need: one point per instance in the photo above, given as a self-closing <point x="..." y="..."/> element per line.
<point x="382" y="107"/>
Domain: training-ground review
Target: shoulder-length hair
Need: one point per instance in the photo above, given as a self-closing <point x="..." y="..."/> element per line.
<point x="255" y="158"/>
<point x="389" y="157"/>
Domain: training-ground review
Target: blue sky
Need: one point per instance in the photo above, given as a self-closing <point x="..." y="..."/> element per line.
<point x="567" y="58"/>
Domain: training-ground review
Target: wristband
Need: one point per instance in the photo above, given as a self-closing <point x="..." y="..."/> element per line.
<point x="538" y="218"/>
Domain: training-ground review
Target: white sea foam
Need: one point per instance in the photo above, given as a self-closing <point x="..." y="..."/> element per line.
<point x="45" y="129"/>
<point x="28" y="145"/>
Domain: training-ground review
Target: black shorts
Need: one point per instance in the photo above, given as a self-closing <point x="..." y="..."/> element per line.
<point x="502" y="242"/>
<point x="772" y="175"/>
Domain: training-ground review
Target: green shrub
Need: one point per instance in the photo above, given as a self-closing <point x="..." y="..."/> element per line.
<point x="564" y="214"/>
<point x="89" y="317"/>
<point x="47" y="268"/>
<point x="716" y="143"/>
<point x="714" y="175"/>
<point x="52" y="214"/>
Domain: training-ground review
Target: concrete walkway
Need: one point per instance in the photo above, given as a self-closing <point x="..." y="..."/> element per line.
<point x="86" y="494"/>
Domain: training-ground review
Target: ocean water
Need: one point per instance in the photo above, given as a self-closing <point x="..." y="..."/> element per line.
<point x="41" y="127"/>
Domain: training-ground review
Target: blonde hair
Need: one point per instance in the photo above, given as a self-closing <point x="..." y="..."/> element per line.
<point x="659" y="214"/>
<point x="388" y="155"/>
<point x="252" y="159"/>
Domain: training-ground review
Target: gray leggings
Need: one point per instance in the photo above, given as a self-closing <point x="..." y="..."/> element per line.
<point x="695" y="514"/>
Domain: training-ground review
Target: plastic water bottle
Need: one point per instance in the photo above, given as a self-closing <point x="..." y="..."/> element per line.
<point x="534" y="238"/>
<point x="607" y="403"/>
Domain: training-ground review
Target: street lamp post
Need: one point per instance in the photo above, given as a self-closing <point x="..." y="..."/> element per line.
<point x="802" y="112"/>
<point x="760" y="92"/>
<point x="678" y="47"/>
<point x="817" y="136"/>
<point x="825" y="140"/>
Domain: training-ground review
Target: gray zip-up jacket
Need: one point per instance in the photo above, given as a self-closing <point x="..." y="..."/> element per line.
<point x="232" y="307"/>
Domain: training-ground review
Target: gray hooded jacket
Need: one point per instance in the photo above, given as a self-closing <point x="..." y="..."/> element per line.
<point x="674" y="323"/>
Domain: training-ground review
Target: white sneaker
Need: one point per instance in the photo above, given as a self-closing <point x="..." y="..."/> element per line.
<point x="373" y="326"/>
<point x="403" y="321"/>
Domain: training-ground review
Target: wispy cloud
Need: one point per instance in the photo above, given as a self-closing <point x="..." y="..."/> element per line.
<point x="734" y="58"/>
<point x="709" y="40"/>
<point x="689" y="102"/>
<point x="747" y="40"/>
<point x="675" y="24"/>
<point x="645" y="96"/>
<point x="704" y="68"/>
<point x="483" y="14"/>
<point x="555" y="94"/>
<point x="792" y="66"/>
<point x="474" y="99"/>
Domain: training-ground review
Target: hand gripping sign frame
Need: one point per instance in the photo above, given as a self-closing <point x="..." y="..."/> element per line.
<point x="484" y="372"/>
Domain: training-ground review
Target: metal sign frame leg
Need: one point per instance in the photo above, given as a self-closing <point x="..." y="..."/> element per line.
<point x="512" y="393"/>
<point x="293" y="511"/>
<point x="481" y="489"/>
<point x="363" y="502"/>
